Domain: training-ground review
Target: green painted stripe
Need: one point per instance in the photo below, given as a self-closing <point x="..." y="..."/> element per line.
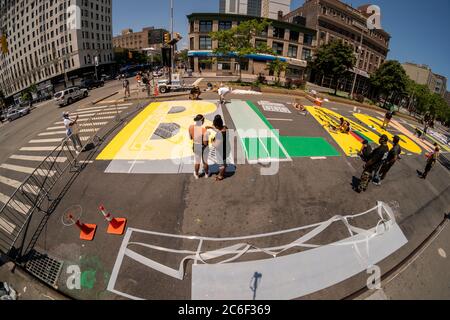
<point x="362" y="136"/>
<point x="299" y="147"/>
<point x="262" y="149"/>
<point x="261" y="115"/>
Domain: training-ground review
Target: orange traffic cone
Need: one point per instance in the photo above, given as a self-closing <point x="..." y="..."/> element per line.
<point x="116" y="225"/>
<point x="87" y="231"/>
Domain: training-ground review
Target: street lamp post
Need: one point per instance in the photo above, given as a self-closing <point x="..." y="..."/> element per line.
<point x="172" y="46"/>
<point x="357" y="62"/>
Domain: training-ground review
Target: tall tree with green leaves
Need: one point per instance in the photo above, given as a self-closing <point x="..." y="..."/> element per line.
<point x="277" y="67"/>
<point x="183" y="56"/>
<point x="334" y="59"/>
<point x="239" y="40"/>
<point x="390" y="80"/>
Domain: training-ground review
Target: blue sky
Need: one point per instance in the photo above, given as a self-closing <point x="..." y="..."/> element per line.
<point x="419" y="28"/>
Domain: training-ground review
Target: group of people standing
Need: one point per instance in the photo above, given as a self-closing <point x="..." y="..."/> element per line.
<point x="201" y="136"/>
<point x="381" y="160"/>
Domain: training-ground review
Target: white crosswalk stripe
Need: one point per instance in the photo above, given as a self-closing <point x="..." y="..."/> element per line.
<point x="88" y="115"/>
<point x="63" y="132"/>
<point x="99" y="110"/>
<point x="16" y="184"/>
<point x="104" y="107"/>
<point x="28" y="170"/>
<point x="84" y="120"/>
<point x="46" y="140"/>
<point x="10" y="182"/>
<point x="16" y="205"/>
<point x="6" y="226"/>
<point x="98" y="124"/>
<point x="54" y="140"/>
<point x="39" y="149"/>
<point x="35" y="158"/>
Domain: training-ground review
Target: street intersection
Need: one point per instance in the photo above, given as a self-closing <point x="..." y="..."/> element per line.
<point x="143" y="172"/>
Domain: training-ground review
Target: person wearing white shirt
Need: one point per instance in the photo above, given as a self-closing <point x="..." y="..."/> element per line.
<point x="223" y="91"/>
<point x="72" y="131"/>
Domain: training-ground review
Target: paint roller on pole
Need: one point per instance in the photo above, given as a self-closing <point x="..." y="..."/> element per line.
<point x="116" y="225"/>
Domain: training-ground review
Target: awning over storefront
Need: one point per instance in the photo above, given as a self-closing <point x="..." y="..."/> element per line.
<point x="256" y="56"/>
<point x="361" y="72"/>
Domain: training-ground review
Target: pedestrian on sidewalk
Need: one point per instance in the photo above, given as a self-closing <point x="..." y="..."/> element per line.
<point x="431" y="161"/>
<point x="393" y="156"/>
<point x="72" y="131"/>
<point x="374" y="163"/>
<point x="126" y="86"/>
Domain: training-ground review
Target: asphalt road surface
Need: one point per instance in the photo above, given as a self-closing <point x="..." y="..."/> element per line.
<point x="309" y="189"/>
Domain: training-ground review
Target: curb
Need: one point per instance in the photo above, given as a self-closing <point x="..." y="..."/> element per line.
<point x="22" y="277"/>
<point x="159" y="97"/>
<point x="104" y="98"/>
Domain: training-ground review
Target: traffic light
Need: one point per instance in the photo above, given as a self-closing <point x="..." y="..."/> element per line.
<point x="178" y="36"/>
<point x="167" y="38"/>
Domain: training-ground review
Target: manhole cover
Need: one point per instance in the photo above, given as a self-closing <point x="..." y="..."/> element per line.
<point x="177" y="110"/>
<point x="44" y="267"/>
<point x="166" y="131"/>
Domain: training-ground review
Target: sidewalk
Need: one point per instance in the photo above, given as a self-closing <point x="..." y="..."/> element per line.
<point x="27" y="287"/>
<point x="424" y="277"/>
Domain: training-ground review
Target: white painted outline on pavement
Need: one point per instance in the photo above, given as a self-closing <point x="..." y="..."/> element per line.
<point x="241" y="249"/>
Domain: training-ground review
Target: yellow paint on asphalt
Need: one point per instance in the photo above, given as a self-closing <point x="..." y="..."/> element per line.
<point x="422" y="143"/>
<point x="137" y="141"/>
<point x="405" y="142"/>
<point x="348" y="143"/>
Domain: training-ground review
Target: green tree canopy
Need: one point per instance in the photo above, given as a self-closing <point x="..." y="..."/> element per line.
<point x="239" y="40"/>
<point x="334" y="59"/>
<point x="390" y="79"/>
<point x="183" y="55"/>
<point x="277" y="67"/>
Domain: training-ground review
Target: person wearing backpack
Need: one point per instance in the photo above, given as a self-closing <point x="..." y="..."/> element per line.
<point x="374" y="163"/>
<point x="393" y="156"/>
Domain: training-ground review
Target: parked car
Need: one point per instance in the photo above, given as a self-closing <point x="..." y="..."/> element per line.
<point x="16" y="113"/>
<point x="91" y="84"/>
<point x="106" y="77"/>
<point x="158" y="73"/>
<point x="70" y="95"/>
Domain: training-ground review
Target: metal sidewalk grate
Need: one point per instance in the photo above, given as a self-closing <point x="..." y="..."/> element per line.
<point x="44" y="267"/>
